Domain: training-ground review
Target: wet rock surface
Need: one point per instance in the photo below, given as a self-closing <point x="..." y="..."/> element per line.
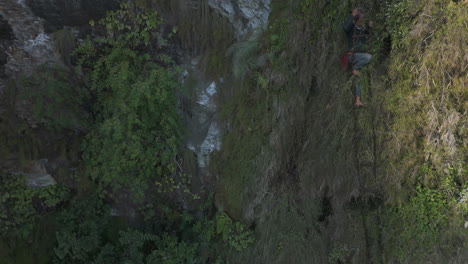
<point x="36" y="175"/>
<point x="31" y="46"/>
<point x="28" y="48"/>
<point x="204" y="135"/>
<point x="245" y="15"/>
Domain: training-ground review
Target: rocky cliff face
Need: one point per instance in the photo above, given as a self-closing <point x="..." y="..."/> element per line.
<point x="318" y="179"/>
<point x="31" y="46"/>
<point x="28" y="41"/>
<point x="28" y="37"/>
<point x="245" y="15"/>
<point x="27" y="46"/>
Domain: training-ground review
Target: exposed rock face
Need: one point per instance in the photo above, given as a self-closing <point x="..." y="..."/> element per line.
<point x="36" y="175"/>
<point x="27" y="48"/>
<point x="32" y="46"/>
<point x="204" y="132"/>
<point x="26" y="28"/>
<point x="245" y="15"/>
<point x="32" y="20"/>
<point x="37" y="181"/>
<point x="206" y="118"/>
<point x="25" y="42"/>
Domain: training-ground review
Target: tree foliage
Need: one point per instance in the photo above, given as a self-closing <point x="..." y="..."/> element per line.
<point x="137" y="130"/>
<point x="20" y="206"/>
<point x="17" y="214"/>
<point x="80" y="235"/>
<point x="127" y="97"/>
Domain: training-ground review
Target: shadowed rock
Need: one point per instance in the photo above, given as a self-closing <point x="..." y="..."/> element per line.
<point x="36" y="175"/>
<point x="59" y="13"/>
<point x="37" y="181"/>
<point x="245" y="15"/>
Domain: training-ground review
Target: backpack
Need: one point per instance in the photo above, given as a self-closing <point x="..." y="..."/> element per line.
<point x="345" y="63"/>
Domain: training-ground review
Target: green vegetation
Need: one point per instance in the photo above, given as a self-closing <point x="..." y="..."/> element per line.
<point x="58" y="101"/>
<point x="136" y="132"/>
<point x="26" y="219"/>
<point x="233" y="233"/>
<point x="395" y="172"/>
<point x="18" y="213"/>
<point x="123" y="97"/>
<point x="301" y="178"/>
<point x="16" y="202"/>
<point x="420" y="221"/>
<point x="244" y="55"/>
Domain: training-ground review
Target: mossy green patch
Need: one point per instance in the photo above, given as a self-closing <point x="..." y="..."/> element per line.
<point x="237" y="163"/>
<point x="318" y="144"/>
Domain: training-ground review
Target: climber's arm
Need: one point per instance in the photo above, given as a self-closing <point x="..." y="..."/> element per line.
<point x="348" y="24"/>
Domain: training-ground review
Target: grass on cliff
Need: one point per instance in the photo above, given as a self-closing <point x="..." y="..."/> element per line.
<point x="406" y="149"/>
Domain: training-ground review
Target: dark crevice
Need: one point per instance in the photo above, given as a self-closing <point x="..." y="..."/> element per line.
<point x="387" y="46"/>
<point x="312" y="89"/>
<point x="6" y="33"/>
<point x="364" y="215"/>
<point x="6" y="38"/>
<point x="326" y="209"/>
<point x="77" y="13"/>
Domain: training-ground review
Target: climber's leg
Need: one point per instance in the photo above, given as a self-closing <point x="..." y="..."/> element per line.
<point x="359" y="60"/>
<point x="358" y="88"/>
<point x="357" y="93"/>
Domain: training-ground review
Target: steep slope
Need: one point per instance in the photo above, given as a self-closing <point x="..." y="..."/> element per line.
<point x="321" y="181"/>
<point x="314" y="179"/>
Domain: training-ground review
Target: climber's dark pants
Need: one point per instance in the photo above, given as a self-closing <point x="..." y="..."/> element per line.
<point x="359" y="60"/>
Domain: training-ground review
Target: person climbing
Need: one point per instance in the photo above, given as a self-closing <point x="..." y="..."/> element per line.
<point x="357" y="35"/>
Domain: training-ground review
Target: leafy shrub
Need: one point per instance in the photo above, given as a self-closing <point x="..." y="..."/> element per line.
<point x="397" y="20"/>
<point x="17" y="214"/>
<point x="137" y="132"/>
<point x="170" y="250"/>
<point x="278" y="37"/>
<point x="128" y="27"/>
<point x="82" y="239"/>
<point x="418" y="223"/>
<point x="235" y="234"/>
<point x="136" y="142"/>
<point x="339" y="254"/>
<point x="81" y="230"/>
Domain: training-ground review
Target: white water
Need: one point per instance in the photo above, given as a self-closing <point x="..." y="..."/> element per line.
<point x="204" y="132"/>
